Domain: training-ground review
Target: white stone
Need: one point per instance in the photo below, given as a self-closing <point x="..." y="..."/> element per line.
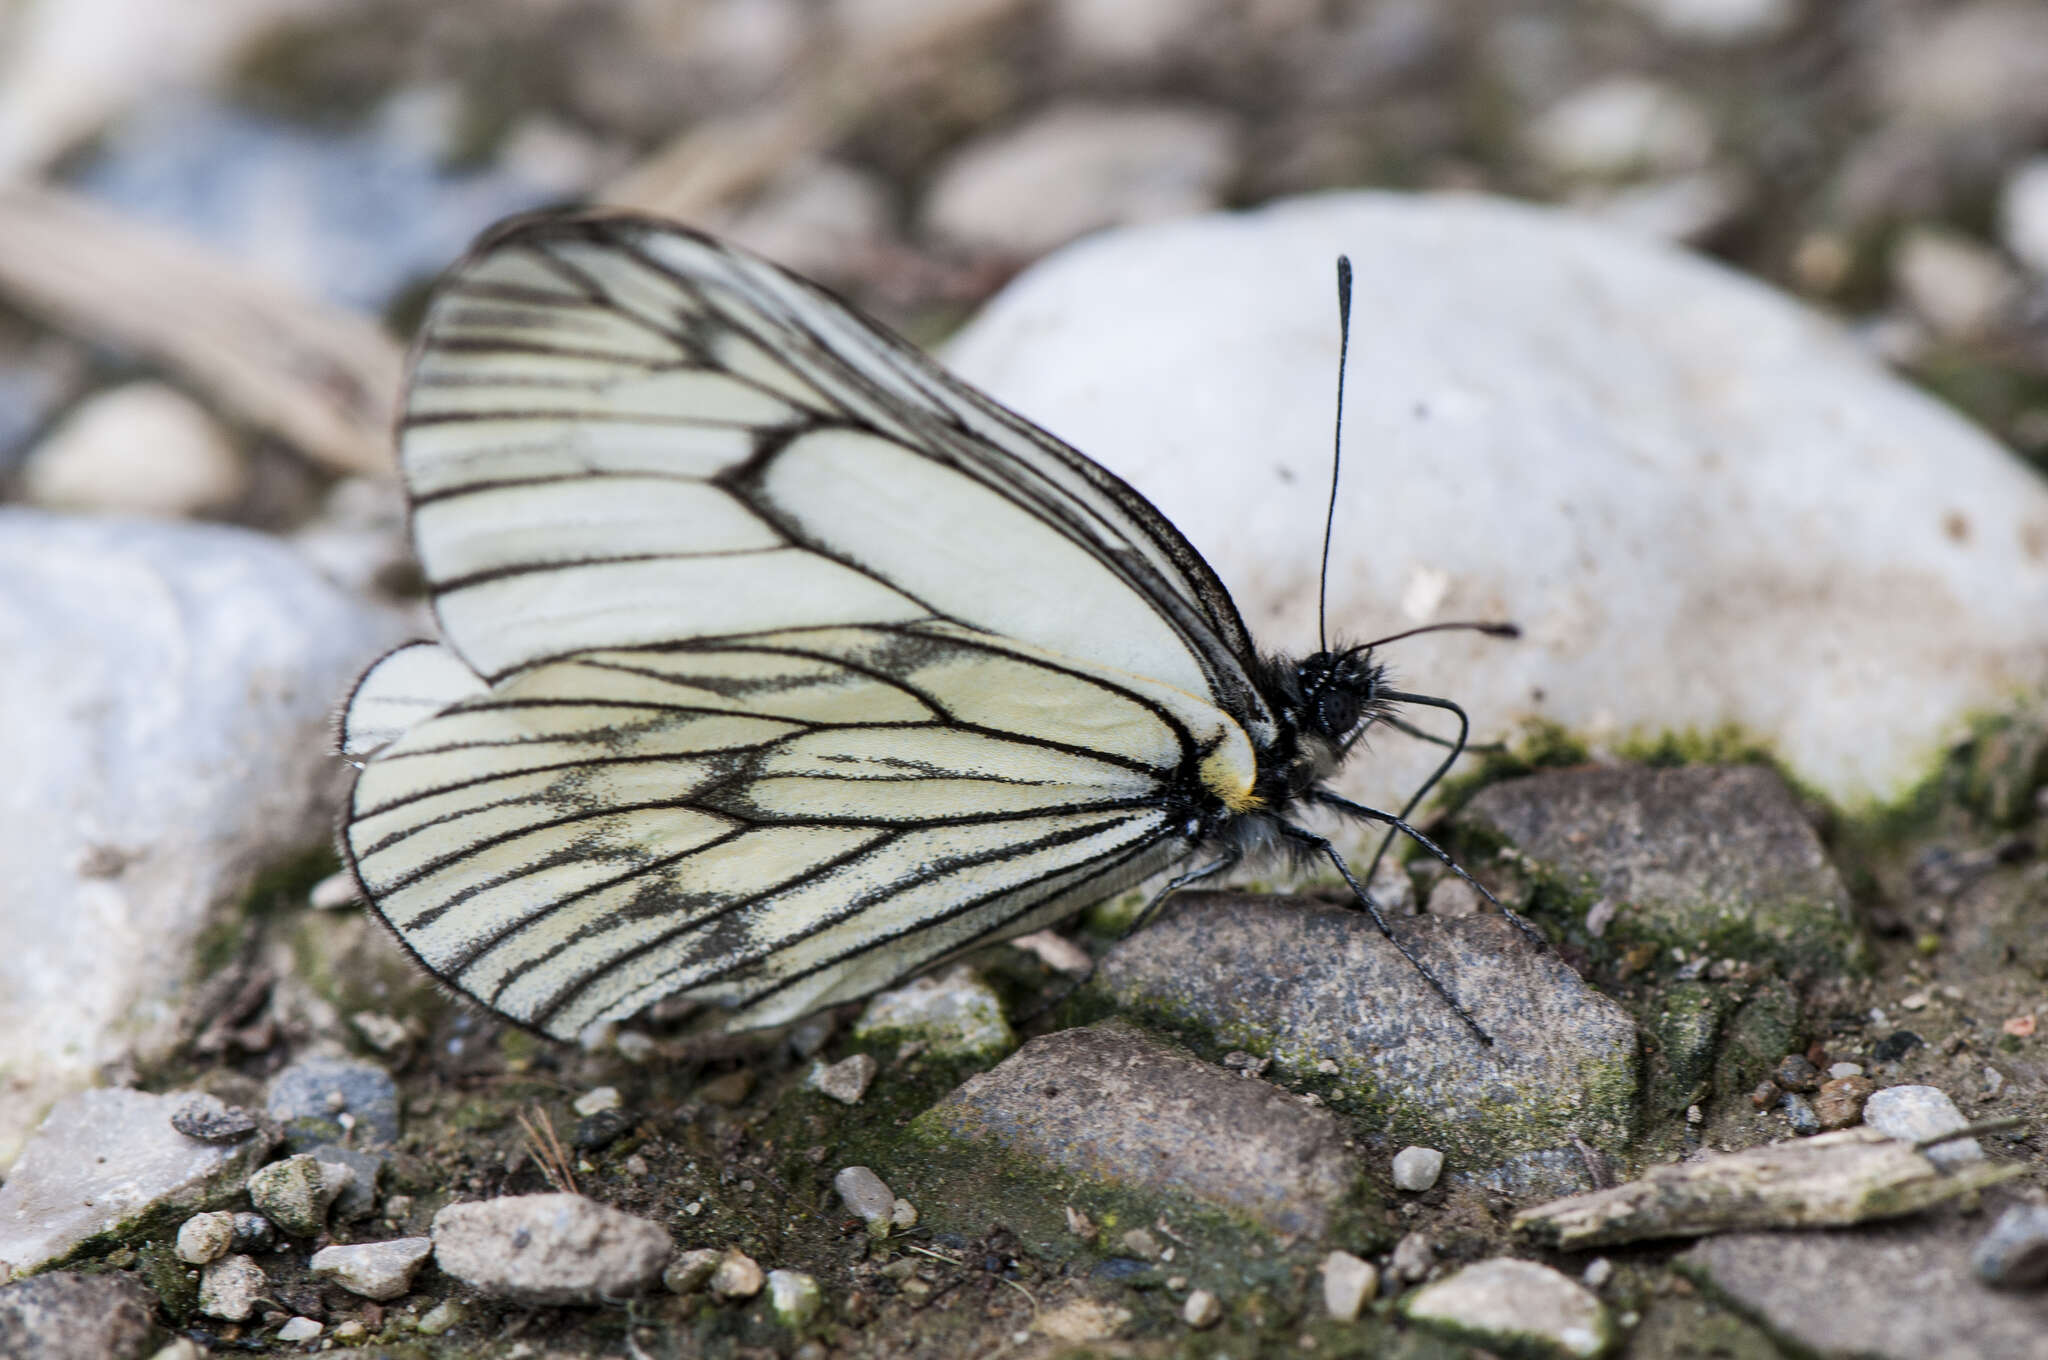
<point x="1684" y="209"/>
<point x="101" y="1161"/>
<point x="691" y="1270"/>
<point x="793" y="1297"/>
<point x="1914" y="1113"/>
<point x="821" y="218"/>
<point x="1622" y="125"/>
<point x="204" y="1238"/>
<point x="1837" y="1071"/>
<point x="957" y="1014"/>
<point x="142" y="449"/>
<point x="1348" y="1285"/>
<point x="1056" y="952"/>
<point x="2023" y="214"/>
<point x="737" y="1276"/>
<point x="1202" y="1310"/>
<point x="374" y="1270"/>
<point x="298" y="1329"/>
<point x="1453" y="896"/>
<point x="597" y="1100"/>
<point x="1416" y="1168"/>
<point x="231" y="1287"/>
<point x="544" y="1249"/>
<point x="1702" y="503"/>
<point x="1506" y="1303"/>
<point x="167" y="732"/>
<point x="1077" y="168"/>
<point x="902" y="1214"/>
<point x="1722" y="22"/>
<point x="846" y="1081"/>
<point x="1957" y="286"/>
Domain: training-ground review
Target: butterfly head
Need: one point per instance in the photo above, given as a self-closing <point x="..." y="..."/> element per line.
<point x="1325" y="702"/>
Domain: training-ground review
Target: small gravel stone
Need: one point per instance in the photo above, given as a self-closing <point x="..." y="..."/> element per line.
<point x="957" y="1015"/>
<point x="442" y="1317"/>
<point x="1515" y="1305"/>
<point x="375" y="1270"/>
<point x="793" y="1297"/>
<point x="1799" y="1113"/>
<point x="902" y="1214"/>
<point x="205" y="1238"/>
<point x="296" y="1193"/>
<point x="312" y="1096"/>
<point x="299" y="1329"/>
<point x="1840" y="1102"/>
<point x="143" y="448"/>
<point x="1413" y="1255"/>
<point x="846" y="1081"/>
<point x="691" y="1271"/>
<point x="1958" y="286"/>
<point x="1416" y="1168"/>
<point x="737" y="1276"/>
<point x="254" y="1232"/>
<point x="1348" y="1285"/>
<point x="358" y="1195"/>
<point x="1795" y="1073"/>
<point x="212" y="1120"/>
<point x="598" y="1131"/>
<point x="1845" y="1069"/>
<point x="1765" y="1095"/>
<point x="867" y="1194"/>
<point x="1202" y="1310"/>
<point x="1895" y="1045"/>
<point x="1623" y="125"/>
<point x="597" y="1100"/>
<point x="382" y="1032"/>
<point x="1917" y="1113"/>
<point x="1597" y="1273"/>
<point x="2023" y="214"/>
<point x="230" y="1287"/>
<point x="1453" y="897"/>
<point x="1142" y="1243"/>
<point x="554" y="1248"/>
<point x="2014" y="1254"/>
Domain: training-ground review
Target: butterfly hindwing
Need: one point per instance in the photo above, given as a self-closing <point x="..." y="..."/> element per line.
<point x="775" y="825"/>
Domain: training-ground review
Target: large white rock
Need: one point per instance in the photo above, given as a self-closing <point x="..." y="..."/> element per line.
<point x="1704" y="504"/>
<point x="165" y="733"/>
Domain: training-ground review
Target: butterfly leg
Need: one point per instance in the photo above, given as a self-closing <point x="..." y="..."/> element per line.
<point x="1331" y="800"/>
<point x="1230" y="860"/>
<point x="1322" y="846"/>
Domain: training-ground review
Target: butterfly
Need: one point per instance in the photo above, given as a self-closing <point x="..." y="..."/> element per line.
<point x="780" y="664"/>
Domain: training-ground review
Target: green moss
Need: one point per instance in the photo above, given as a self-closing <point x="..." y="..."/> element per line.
<point x="1684" y="1024"/>
<point x="175" y="1283"/>
<point x="1760" y="1032"/>
<point x="273" y="889"/>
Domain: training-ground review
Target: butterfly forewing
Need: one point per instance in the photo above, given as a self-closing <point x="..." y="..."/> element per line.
<point x="787" y="664"/>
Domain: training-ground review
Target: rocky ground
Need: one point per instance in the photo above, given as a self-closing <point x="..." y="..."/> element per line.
<point x="1249" y="1129"/>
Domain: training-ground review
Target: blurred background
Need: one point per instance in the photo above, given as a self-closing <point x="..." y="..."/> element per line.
<point x="223" y="213"/>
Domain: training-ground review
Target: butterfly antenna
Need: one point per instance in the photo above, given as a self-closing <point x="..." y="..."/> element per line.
<point x="1337" y="452"/>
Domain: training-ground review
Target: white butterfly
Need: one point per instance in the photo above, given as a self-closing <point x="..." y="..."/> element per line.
<point x="779" y="663"/>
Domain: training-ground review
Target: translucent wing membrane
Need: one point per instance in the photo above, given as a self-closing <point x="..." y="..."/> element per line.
<point x="620" y="434"/>
<point x="775" y="825"/>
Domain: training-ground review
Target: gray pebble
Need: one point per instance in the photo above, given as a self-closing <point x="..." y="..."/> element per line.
<point x="691" y="1271"/>
<point x="738" y="1276"/>
<point x="1413" y="1256"/>
<point x="1348" y="1285"/>
<point x="2014" y="1254"/>
<point x="230" y="1288"/>
<point x="1916" y="1113"/>
<point x="298" y="1329"/>
<point x="296" y="1193"/>
<point x="212" y="1120"/>
<point x="254" y="1232"/>
<point x="1795" y="1073"/>
<point x="867" y="1194"/>
<point x="1202" y="1310"/>
<point x="549" y="1248"/>
<point x="311" y="1096"/>
<point x="1416" y="1168"/>
<point x="846" y="1081"/>
<point x="205" y="1238"/>
<point x="64" y="1316"/>
<point x="375" y="1270"/>
<point x="1799" y="1113"/>
<point x="358" y="1199"/>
